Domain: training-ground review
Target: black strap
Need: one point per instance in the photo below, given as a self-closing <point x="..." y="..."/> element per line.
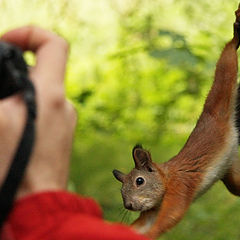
<point x="22" y="155"/>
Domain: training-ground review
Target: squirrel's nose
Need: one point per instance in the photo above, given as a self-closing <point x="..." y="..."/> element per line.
<point x="129" y="206"/>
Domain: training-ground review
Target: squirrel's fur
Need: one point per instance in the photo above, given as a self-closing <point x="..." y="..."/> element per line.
<point x="163" y="192"/>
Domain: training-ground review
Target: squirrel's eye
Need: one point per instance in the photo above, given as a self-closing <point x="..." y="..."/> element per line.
<point x="139" y="181"/>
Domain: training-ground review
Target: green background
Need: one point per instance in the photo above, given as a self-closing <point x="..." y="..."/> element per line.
<point x="138" y="72"/>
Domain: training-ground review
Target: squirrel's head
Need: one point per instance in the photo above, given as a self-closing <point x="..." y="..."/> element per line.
<point x="142" y="189"/>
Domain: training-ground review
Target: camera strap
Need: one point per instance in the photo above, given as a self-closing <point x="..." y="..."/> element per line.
<point x="14" y="79"/>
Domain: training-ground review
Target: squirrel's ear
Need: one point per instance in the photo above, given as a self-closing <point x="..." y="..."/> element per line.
<point x="142" y="158"/>
<point x="119" y="175"/>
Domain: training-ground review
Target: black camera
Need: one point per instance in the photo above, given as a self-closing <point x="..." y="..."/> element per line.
<point x="13" y="70"/>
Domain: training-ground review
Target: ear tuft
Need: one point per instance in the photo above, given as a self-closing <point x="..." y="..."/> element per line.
<point x="138" y="146"/>
<point x="142" y="158"/>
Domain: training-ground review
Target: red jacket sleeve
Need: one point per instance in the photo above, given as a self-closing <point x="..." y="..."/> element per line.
<point x="61" y="216"/>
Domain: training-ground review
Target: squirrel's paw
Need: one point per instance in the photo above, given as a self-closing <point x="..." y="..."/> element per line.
<point x="237" y="26"/>
<point x="152" y="235"/>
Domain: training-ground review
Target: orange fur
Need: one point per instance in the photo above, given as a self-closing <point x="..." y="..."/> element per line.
<point x="208" y="155"/>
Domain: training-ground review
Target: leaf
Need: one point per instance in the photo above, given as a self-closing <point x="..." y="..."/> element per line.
<point x="173" y="35"/>
<point x="175" y="56"/>
<point x="85" y="94"/>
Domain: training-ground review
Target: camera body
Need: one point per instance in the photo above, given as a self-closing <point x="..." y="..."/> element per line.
<point x="13" y="70"/>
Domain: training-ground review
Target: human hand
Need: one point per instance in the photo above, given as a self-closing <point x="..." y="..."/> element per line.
<point x="56" y="119"/>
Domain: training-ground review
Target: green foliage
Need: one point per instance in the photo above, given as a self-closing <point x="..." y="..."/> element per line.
<point x="138" y="72"/>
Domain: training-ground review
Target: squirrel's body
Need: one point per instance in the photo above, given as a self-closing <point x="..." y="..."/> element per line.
<point x="164" y="192"/>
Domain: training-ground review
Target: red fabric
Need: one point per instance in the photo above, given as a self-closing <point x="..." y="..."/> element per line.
<point x="61" y="215"/>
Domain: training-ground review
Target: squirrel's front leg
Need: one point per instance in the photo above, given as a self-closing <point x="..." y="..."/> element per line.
<point x="176" y="201"/>
<point x="144" y="222"/>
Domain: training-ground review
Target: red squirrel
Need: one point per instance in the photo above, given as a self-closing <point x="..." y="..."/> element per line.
<point x="163" y="192"/>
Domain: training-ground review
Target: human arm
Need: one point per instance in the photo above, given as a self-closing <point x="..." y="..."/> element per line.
<point x="42" y="210"/>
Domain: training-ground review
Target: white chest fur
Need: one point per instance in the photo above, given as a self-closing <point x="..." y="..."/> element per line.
<point x="222" y="162"/>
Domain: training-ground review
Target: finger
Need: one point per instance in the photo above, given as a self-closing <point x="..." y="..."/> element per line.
<point x="51" y="52"/>
<point x="15" y="103"/>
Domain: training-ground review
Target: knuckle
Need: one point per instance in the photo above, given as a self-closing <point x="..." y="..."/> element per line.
<point x="56" y="99"/>
<point x="63" y="43"/>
